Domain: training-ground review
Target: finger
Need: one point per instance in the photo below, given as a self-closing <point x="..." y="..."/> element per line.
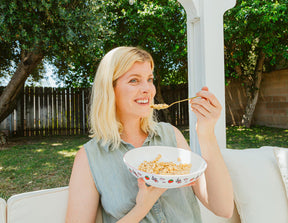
<point x="189" y="185"/>
<point x="192" y="184"/>
<point x="203" y="106"/>
<point x="210" y="97"/>
<point x="141" y="182"/>
<point x="199" y="111"/>
<point x="203" y="102"/>
<point x="205" y="88"/>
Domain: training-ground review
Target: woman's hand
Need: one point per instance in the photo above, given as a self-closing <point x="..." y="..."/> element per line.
<point x="146" y="198"/>
<point x="147" y="195"/>
<point x="207" y="109"/>
<point x="190" y="184"/>
<point x="214" y="188"/>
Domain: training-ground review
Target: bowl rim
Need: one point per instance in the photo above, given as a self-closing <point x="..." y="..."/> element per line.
<point x="202" y="169"/>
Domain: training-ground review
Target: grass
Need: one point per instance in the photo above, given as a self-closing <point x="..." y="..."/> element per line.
<point x="238" y="137"/>
<point x="29" y="164"/>
<point x="36" y="164"/>
<point x="255" y="137"/>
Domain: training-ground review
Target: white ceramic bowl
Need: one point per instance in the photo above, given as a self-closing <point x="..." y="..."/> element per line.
<point x="135" y="157"/>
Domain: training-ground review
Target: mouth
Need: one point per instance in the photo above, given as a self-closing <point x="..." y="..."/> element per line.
<point x="142" y="101"/>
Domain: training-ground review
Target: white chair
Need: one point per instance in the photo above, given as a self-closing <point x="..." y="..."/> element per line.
<point x="45" y="206"/>
<point x="259" y="192"/>
<point x="2" y="211"/>
<point x="38" y="206"/>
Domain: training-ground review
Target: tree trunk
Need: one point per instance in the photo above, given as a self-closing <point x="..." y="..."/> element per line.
<point x="253" y="92"/>
<point x="8" y="98"/>
<point x="160" y="100"/>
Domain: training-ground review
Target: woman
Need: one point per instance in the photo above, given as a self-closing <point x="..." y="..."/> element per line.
<point x="121" y="119"/>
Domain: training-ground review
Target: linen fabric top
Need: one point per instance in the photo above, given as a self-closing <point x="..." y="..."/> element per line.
<point x="118" y="188"/>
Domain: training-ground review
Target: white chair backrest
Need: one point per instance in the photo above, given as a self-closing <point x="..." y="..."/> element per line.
<point x="43" y="206"/>
<point x="2" y="211"/>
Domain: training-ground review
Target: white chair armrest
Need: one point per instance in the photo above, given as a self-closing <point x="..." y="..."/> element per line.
<point x="2" y="211"/>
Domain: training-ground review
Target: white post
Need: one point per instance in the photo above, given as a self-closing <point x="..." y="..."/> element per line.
<point x="206" y="57"/>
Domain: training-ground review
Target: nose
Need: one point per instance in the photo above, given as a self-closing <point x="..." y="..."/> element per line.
<point x="145" y="87"/>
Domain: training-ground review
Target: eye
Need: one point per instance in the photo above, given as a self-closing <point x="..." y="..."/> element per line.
<point x="151" y="79"/>
<point x="134" y="80"/>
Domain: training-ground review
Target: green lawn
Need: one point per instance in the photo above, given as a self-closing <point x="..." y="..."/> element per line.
<point x="29" y="164"/>
<point x="241" y="138"/>
<point x="36" y="164"/>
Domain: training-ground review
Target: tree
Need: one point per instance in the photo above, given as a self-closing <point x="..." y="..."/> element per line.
<point x="256" y="39"/>
<point x="67" y="33"/>
<point x="150" y="25"/>
<point x="158" y="26"/>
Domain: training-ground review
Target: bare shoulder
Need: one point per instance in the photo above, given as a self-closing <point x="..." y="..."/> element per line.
<point x="81" y="157"/>
<point x="81" y="169"/>
<point x="81" y="162"/>
<point x="181" y="141"/>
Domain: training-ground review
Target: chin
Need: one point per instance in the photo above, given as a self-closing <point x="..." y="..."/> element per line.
<point x="143" y="115"/>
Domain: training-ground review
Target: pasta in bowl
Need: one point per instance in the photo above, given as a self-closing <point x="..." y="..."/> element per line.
<point x="164" y="166"/>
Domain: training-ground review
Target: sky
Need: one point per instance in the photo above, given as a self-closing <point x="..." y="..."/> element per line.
<point x="49" y="81"/>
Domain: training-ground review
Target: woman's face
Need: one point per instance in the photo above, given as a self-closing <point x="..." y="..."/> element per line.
<point x="134" y="92"/>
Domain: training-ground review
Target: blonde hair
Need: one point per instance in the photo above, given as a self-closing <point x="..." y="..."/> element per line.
<point x="103" y="121"/>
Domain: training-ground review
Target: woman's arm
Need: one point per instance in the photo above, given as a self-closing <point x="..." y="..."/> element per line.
<point x="214" y="187"/>
<point x="83" y="196"/>
<point x="146" y="198"/>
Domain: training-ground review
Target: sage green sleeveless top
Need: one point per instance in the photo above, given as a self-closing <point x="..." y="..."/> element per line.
<point x="118" y="187"/>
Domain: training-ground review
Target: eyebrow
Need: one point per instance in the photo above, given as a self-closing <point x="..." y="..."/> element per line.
<point x="131" y="75"/>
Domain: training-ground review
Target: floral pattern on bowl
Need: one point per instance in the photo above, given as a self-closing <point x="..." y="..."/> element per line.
<point x="134" y="157"/>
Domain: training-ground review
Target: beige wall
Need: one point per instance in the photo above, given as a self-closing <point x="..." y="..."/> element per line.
<point x="272" y="107"/>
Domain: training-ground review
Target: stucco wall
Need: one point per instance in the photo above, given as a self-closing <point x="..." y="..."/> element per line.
<point x="272" y="107"/>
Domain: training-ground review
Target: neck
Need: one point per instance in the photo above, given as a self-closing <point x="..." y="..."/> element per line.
<point x="132" y="133"/>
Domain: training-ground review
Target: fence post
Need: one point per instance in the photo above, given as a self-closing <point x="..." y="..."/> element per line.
<point x="83" y="111"/>
<point x="20" y="115"/>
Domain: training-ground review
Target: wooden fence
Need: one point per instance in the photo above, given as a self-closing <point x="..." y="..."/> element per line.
<point x="49" y="111"/>
<point x="58" y="111"/>
<point x="179" y="113"/>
